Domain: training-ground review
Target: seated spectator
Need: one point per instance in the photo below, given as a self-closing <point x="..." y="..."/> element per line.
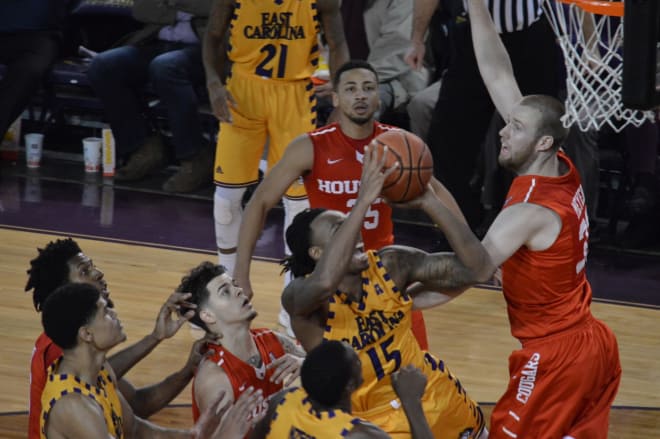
<point x="30" y="39"/>
<point x="166" y="53"/>
<point x="379" y="32"/>
<point x="420" y="109"/>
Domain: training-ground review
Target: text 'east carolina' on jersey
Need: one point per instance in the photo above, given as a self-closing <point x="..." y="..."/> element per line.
<point x="274" y="39"/>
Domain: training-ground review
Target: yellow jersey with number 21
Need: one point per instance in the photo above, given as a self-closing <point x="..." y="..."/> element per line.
<point x="274" y="39"/>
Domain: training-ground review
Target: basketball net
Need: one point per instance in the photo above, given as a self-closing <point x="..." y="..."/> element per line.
<point x="593" y="53"/>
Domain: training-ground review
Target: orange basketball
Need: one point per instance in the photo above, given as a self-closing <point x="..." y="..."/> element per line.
<point x="415" y="165"/>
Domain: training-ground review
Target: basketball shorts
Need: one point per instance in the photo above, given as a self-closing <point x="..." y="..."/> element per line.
<point x="449" y="410"/>
<point x="561" y="385"/>
<point x="267" y="111"/>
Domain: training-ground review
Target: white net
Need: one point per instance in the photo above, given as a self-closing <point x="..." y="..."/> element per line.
<point x="593" y="53"/>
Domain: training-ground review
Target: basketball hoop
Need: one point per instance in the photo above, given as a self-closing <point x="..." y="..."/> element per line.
<point x="590" y="34"/>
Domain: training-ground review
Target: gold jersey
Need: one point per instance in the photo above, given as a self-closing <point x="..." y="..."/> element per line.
<point x="104" y="394"/>
<point x="296" y="418"/>
<point x="274" y="39"/>
<point x="378" y="327"/>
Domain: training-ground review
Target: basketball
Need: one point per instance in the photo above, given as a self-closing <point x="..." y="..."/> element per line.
<point x="415" y="165"/>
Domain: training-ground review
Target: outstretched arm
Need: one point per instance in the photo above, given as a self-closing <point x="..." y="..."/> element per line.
<point x="148" y="400"/>
<point x="409" y="384"/>
<point x="166" y="327"/>
<point x="441" y="271"/>
<point x="297" y="160"/>
<point x="493" y="59"/>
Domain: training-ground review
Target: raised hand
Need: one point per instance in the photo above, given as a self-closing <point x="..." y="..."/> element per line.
<point x="373" y="174"/>
<point x="210" y="418"/>
<point x="241" y="416"/>
<point x="409" y="383"/>
<point x="287" y="365"/>
<point x="173" y="314"/>
<point x="199" y="351"/>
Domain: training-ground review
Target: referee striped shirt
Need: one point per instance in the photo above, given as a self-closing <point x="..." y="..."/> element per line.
<point x="512" y="15"/>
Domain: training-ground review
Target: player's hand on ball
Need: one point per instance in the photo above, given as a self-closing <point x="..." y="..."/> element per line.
<point x="374" y="172"/>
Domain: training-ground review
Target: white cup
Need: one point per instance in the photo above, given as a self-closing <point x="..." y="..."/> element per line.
<point x="92" y="153"/>
<point x="33" y="148"/>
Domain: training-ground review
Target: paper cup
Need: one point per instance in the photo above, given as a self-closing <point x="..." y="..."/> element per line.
<point x="92" y="153"/>
<point x="33" y="148"/>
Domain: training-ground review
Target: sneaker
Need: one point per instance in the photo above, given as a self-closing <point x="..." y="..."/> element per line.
<point x="145" y="160"/>
<point x="192" y="174"/>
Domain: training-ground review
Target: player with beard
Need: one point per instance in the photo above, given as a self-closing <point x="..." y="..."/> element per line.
<point x="566" y="374"/>
<point x="329" y="160"/>
<point x="61" y="262"/>
<point x="247" y="358"/>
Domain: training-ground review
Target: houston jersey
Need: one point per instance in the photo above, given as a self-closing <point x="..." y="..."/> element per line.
<point x="334" y="180"/>
<point x="104" y="393"/>
<point x="44" y="354"/>
<point x="296" y="418"/>
<point x="243" y="375"/>
<point x="547" y="291"/>
<point x="274" y="39"/>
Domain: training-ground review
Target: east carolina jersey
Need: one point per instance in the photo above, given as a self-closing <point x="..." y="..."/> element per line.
<point x="295" y="418"/>
<point x="379" y="330"/>
<point x="104" y="393"/>
<point x="547" y="291"/>
<point x="243" y="375"/>
<point x="44" y="353"/>
<point x="274" y="39"/>
<point x="334" y="180"/>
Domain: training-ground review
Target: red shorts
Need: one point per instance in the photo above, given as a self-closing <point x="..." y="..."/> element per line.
<point x="561" y="385"/>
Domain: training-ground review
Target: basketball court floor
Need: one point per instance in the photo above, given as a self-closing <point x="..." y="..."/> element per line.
<point x="145" y="240"/>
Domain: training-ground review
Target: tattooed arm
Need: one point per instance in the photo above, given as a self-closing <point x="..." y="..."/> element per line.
<point x="443" y="275"/>
<point x="290" y="346"/>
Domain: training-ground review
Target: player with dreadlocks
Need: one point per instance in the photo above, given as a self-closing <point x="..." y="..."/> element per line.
<point x="61" y="262"/>
<point x="343" y="293"/>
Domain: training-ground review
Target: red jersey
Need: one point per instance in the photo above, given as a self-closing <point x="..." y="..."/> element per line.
<point x="334" y="180"/>
<point x="44" y="353"/>
<point x="547" y="291"/>
<point x="243" y="375"/>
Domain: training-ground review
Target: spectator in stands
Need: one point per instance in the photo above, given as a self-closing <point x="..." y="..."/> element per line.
<point x="30" y="38"/>
<point x="166" y="53"/>
<point x="379" y="32"/>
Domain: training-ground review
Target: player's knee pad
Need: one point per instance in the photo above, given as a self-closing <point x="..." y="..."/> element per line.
<point x="227" y="214"/>
<point x="291" y="209"/>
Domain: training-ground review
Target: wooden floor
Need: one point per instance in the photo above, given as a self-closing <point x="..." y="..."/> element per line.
<point x="471" y="333"/>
